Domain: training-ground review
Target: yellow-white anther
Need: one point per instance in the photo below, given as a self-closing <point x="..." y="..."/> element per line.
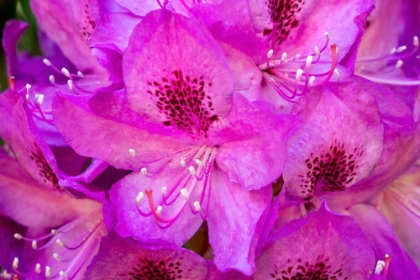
<point x="284" y="56"/>
<point x="52" y="79"/>
<point x="297" y="56"/>
<point x="379" y="267"/>
<point x="182" y="162"/>
<point x="164" y="189"/>
<point x="198" y="162"/>
<point x="57" y="257"/>
<point x="139" y="197"/>
<point x="38" y="268"/>
<point x="270" y="53"/>
<point x="311" y="81"/>
<point x="47" y="272"/>
<point x="28" y="87"/>
<point x="63" y="274"/>
<point x="336" y="73"/>
<point x="80" y="74"/>
<point x="15" y="263"/>
<point x="416" y="41"/>
<point x="34" y="244"/>
<point x="40" y="99"/>
<point x="65" y="72"/>
<point x="54" y="231"/>
<point x="70" y="84"/>
<point x="59" y="242"/>
<point x="132" y="152"/>
<point x="184" y="193"/>
<point x="317" y="51"/>
<point x="392" y="51"/>
<point x="299" y="74"/>
<point x="327" y="35"/>
<point x="46" y="62"/>
<point x="17" y="236"/>
<point x="143" y="171"/>
<point x="197" y="206"/>
<point x="399" y="64"/>
<point x="309" y="60"/>
<point x="191" y="169"/>
<point x="159" y="210"/>
<point x="401" y="49"/>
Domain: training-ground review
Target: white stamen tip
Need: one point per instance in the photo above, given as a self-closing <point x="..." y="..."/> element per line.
<point x="270" y="53"/>
<point x="132" y="152"/>
<point x="184" y="193"/>
<point x="34" y="244"/>
<point x="52" y="79"/>
<point x="17" y="236"/>
<point x="54" y="231"/>
<point x="299" y="74"/>
<point x="182" y="163"/>
<point x="40" y="99"/>
<point x="159" y="210"/>
<point x="192" y="170"/>
<point x="164" y="189"/>
<point x="65" y="72"/>
<point x="27" y="96"/>
<point x="284" y="56"/>
<point x="379" y="267"/>
<point x="15" y="263"/>
<point x="401" y="49"/>
<point x="59" y="242"/>
<point x="198" y="162"/>
<point x="309" y="60"/>
<point x="143" y="171"/>
<point x="38" y="268"/>
<point x="70" y="84"/>
<point x="416" y="41"/>
<point x="197" y="206"/>
<point x="336" y="73"/>
<point x="57" y="257"/>
<point x="317" y="51"/>
<point x="28" y="87"/>
<point x="399" y="64"/>
<point x="47" y="272"/>
<point x="63" y="274"/>
<point x="297" y="56"/>
<point x="139" y="197"/>
<point x="311" y="81"/>
<point x="46" y="62"/>
<point x="80" y="74"/>
<point x="392" y="51"/>
<point x="327" y="35"/>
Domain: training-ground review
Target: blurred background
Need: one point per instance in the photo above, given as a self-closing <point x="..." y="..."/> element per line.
<point x="17" y="9"/>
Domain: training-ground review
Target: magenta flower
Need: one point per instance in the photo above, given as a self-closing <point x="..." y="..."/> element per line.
<point x="198" y="151"/>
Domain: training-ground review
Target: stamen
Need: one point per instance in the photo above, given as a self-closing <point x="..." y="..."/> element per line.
<point x="327" y="35"/>
<point x="159" y="210"/>
<point x="132" y="152"/>
<point x="63" y="274"/>
<point x="59" y="242"/>
<point x="297" y="56"/>
<point x="270" y="53"/>
<point x="311" y="81"/>
<point x="54" y="231"/>
<point x="317" y="51"/>
<point x="47" y="272"/>
<point x="12" y="82"/>
<point x="401" y="49"/>
<point x="65" y="72"/>
<point x="198" y="162"/>
<point x="182" y="163"/>
<point x="38" y="268"/>
<point x="184" y="193"/>
<point x="379" y="267"/>
<point x="46" y="62"/>
<point x="17" y="236"/>
<point x="80" y="74"/>
<point x="399" y="64"/>
<point x="164" y="190"/>
<point x="299" y="74"/>
<point x="40" y="99"/>
<point x="52" y="79"/>
<point x="393" y="50"/>
<point x="309" y="60"/>
<point x="15" y="263"/>
<point x="337" y="74"/>
<point x="284" y="56"/>
<point x="57" y="257"/>
<point x="34" y="244"/>
<point x="386" y="268"/>
<point x="70" y="84"/>
<point x="197" y="206"/>
<point x="416" y="41"/>
<point x="143" y="171"/>
<point x="191" y="169"/>
<point x="139" y="197"/>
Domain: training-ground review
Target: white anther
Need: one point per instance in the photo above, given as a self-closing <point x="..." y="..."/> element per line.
<point x="70" y="84"/>
<point x="309" y="60"/>
<point x="15" y="263"/>
<point x="52" y="79"/>
<point x="65" y="72"/>
<point x="198" y="162"/>
<point x="46" y="62"/>
<point x="57" y="257"/>
<point x="80" y="74"/>
<point x="379" y="267"/>
<point x="28" y="87"/>
<point x="284" y="56"/>
<point x="311" y="81"/>
<point x="17" y="236"/>
<point x="317" y="51"/>
<point x="59" y="242"/>
<point x="327" y="35"/>
<point x="159" y="210"/>
<point x="164" y="189"/>
<point x="132" y="152"/>
<point x="34" y="244"/>
<point x="401" y="49"/>
<point x="297" y="56"/>
<point x="182" y="162"/>
<point x="336" y="73"/>
<point x="392" y="51"/>
<point x="139" y="197"/>
<point x="299" y="74"/>
<point x="192" y="170"/>
<point x="47" y="272"/>
<point x="54" y="231"/>
<point x="40" y="99"/>
<point x="416" y="41"/>
<point x="63" y="274"/>
<point x="38" y="268"/>
<point x="184" y="193"/>
<point x="270" y="53"/>
<point x="197" y="206"/>
<point x="399" y="64"/>
<point x="143" y="171"/>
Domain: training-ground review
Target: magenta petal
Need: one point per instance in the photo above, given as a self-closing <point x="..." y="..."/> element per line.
<point x="233" y="218"/>
<point x="140" y="10"/>
<point x="143" y="263"/>
<point x="339" y="144"/>
<point x="169" y="53"/>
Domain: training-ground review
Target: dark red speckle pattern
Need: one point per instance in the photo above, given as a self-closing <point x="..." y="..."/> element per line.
<point x="283" y="15"/>
<point x="184" y="102"/>
<point x="167" y="269"/>
<point x="333" y="169"/>
<point x="45" y="172"/>
<point x="87" y="25"/>
<point x="300" y="270"/>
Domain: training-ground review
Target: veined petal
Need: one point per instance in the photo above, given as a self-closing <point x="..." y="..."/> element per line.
<point x="140" y="10"/>
<point x="339" y="144"/>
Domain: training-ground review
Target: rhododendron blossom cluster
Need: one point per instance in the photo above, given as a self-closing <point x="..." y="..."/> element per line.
<point x="218" y="139"/>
